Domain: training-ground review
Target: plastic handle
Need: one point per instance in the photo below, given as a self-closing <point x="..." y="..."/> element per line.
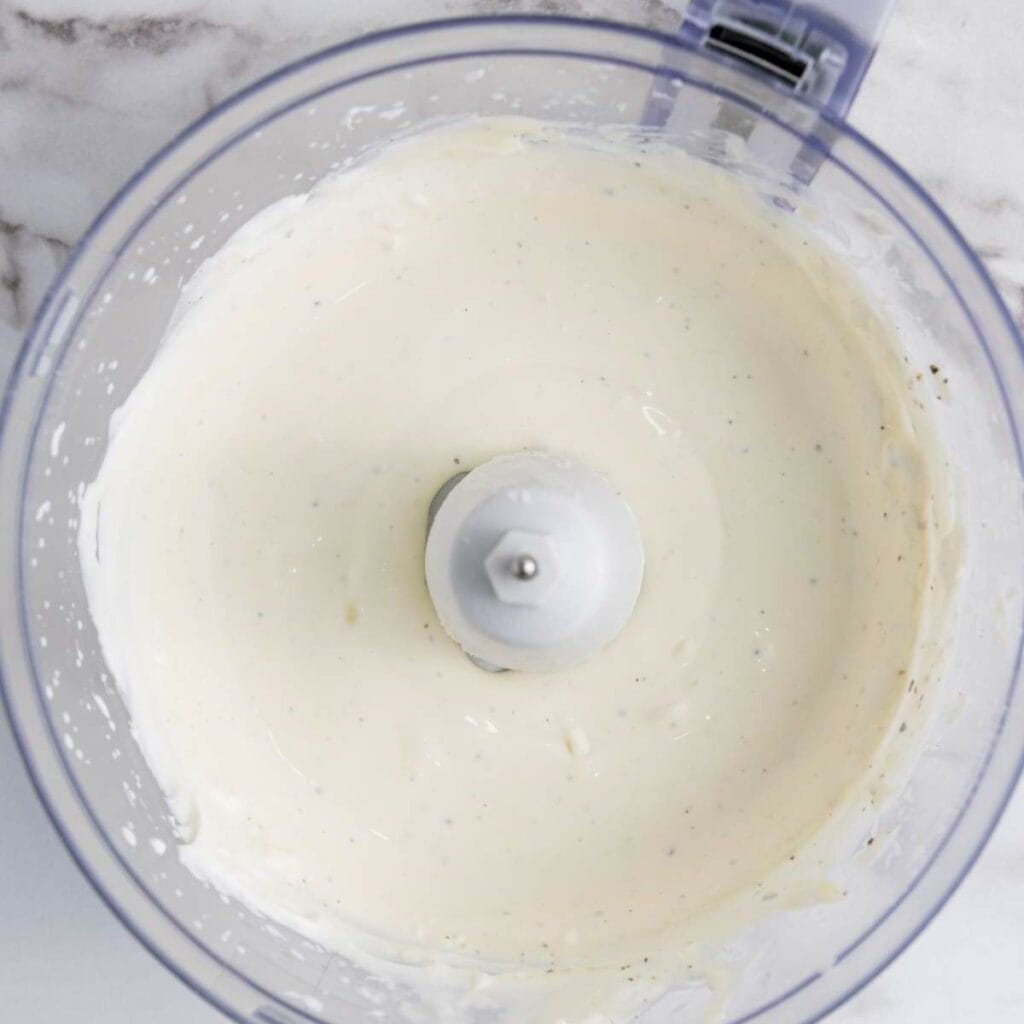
<point x="821" y="51"/>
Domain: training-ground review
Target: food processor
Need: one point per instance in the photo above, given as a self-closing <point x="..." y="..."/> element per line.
<point x="758" y="89"/>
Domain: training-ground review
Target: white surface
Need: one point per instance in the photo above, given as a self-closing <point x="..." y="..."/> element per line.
<point x="89" y="89"/>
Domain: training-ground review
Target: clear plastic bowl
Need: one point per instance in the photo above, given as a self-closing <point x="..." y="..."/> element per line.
<point x="104" y="318"/>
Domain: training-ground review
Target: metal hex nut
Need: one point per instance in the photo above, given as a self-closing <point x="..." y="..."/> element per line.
<point x="501" y="564"/>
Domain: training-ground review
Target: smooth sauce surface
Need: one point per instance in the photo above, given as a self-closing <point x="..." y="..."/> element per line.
<point x="261" y="512"/>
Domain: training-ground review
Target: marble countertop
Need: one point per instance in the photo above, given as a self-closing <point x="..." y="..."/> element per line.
<point x="90" y="88"/>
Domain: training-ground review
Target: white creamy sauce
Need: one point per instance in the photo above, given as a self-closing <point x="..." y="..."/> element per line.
<point x="259" y="519"/>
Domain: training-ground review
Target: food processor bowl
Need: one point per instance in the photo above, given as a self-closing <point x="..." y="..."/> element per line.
<point x="102" y="323"/>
